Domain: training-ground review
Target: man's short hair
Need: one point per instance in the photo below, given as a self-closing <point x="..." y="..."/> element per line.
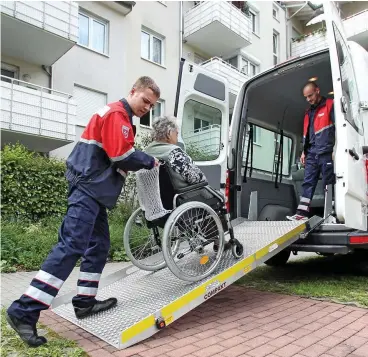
<point x="147" y="82"/>
<point x="313" y="84"/>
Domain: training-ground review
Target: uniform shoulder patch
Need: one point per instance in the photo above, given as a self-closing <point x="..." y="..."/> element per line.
<point x="125" y="130"/>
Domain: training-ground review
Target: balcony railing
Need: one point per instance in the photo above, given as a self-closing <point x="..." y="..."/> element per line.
<point x="32" y="109"/>
<point x="356" y="24"/>
<point x="203" y="142"/>
<point x="234" y="77"/>
<point x="58" y="17"/>
<point x="217" y="26"/>
<point x="314" y="42"/>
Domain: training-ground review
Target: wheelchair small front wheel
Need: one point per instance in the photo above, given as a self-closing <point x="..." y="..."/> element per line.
<point x="237" y="250"/>
<point x="142" y="244"/>
<point x="193" y="228"/>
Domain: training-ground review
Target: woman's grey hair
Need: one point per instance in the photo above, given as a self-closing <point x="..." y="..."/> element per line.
<point x="162" y="127"/>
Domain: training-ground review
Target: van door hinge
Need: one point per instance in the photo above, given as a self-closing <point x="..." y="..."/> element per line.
<point x="363" y="105"/>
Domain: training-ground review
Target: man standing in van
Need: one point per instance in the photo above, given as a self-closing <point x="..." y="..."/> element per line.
<point x="318" y="145"/>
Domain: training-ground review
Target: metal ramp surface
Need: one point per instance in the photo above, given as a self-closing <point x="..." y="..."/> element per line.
<point x="145" y="296"/>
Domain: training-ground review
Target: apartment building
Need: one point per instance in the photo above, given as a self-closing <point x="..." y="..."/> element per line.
<point x="34" y="35"/>
<point x="235" y="40"/>
<point x="63" y="60"/>
<point x="104" y="48"/>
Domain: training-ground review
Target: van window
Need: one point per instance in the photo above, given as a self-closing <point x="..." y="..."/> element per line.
<point x="266" y="144"/>
<point x="201" y="130"/>
<point x="349" y="89"/>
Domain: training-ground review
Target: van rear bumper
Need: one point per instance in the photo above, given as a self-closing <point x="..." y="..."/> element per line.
<point x="338" y="241"/>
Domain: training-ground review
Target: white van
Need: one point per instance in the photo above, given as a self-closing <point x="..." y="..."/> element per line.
<point x="267" y="187"/>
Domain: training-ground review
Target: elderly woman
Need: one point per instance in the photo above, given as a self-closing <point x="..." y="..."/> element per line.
<point x="183" y="172"/>
<point x="164" y="147"/>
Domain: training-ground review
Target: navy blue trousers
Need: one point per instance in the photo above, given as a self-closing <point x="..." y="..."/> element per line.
<point x="84" y="233"/>
<point x="314" y="166"/>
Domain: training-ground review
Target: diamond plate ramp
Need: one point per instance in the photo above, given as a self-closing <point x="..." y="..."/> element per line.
<point x="145" y="296"/>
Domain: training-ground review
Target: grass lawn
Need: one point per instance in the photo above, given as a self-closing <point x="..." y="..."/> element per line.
<point x="336" y="278"/>
<point x="13" y="346"/>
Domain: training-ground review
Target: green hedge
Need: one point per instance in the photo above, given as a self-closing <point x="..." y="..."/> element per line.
<point x="32" y="186"/>
<point x="25" y="244"/>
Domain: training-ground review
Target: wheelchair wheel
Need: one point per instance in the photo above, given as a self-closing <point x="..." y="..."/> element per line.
<point x="193" y="228"/>
<point x="142" y="244"/>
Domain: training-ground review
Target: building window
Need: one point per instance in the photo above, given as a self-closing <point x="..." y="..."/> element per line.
<point x="266" y="150"/>
<point x="152" y="47"/>
<point x="275" y="12"/>
<point x="10" y="71"/>
<point x="254" y="18"/>
<point x="233" y="61"/>
<point x="200" y="124"/>
<point x="248" y="68"/>
<point x="275" y="45"/>
<point x="88" y="102"/>
<point x="157" y="111"/>
<point x="93" y="32"/>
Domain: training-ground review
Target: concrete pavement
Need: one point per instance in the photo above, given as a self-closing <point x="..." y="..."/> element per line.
<point x="236" y="322"/>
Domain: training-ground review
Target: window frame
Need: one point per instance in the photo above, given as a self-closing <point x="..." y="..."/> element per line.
<point x="162" y="103"/>
<point x="276" y="9"/>
<point x="245" y="147"/>
<point x="249" y="64"/>
<point x="100" y="21"/>
<point x="11" y="68"/>
<point x="254" y="14"/>
<point x="184" y="138"/>
<point x="159" y="37"/>
<point x="277" y="53"/>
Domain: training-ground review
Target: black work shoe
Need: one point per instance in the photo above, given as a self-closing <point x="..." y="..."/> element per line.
<point x="28" y="333"/>
<point x="82" y="312"/>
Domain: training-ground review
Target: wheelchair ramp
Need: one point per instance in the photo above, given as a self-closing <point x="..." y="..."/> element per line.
<point x="143" y="297"/>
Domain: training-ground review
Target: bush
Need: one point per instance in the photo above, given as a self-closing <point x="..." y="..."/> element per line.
<point x="32" y="186"/>
<point x="25" y="245"/>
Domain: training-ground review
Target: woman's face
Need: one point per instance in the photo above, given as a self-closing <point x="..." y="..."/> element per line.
<point x="173" y="137"/>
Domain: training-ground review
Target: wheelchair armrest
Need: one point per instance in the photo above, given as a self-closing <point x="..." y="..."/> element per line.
<point x="191" y="187"/>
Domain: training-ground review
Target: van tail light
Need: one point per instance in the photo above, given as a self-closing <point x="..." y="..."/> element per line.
<point x="227" y="191"/>
<point x="358" y="239"/>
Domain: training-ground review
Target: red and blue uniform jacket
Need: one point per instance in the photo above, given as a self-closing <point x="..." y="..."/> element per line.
<point x="105" y="153"/>
<point x="319" y="128"/>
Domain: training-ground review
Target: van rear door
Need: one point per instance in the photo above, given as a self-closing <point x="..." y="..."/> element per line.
<point x="351" y="186"/>
<point x="202" y="109"/>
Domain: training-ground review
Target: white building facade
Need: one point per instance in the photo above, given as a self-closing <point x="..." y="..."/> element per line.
<point x="62" y="61"/>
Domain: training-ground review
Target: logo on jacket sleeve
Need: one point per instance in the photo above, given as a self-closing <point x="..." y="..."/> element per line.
<point x="125" y="130"/>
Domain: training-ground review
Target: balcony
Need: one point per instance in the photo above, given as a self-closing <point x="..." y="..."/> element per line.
<point x="40" y="118"/>
<point x="356" y="28"/>
<point x="234" y="77"/>
<point x="309" y="43"/>
<point x="38" y="32"/>
<point x="217" y="28"/>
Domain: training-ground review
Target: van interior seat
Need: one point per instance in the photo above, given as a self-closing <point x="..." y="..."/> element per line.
<point x="318" y="200"/>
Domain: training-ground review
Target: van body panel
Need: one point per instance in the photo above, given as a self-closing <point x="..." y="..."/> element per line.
<point x="351" y="186"/>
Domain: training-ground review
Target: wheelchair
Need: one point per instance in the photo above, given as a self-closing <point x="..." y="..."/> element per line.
<point x="182" y="229"/>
